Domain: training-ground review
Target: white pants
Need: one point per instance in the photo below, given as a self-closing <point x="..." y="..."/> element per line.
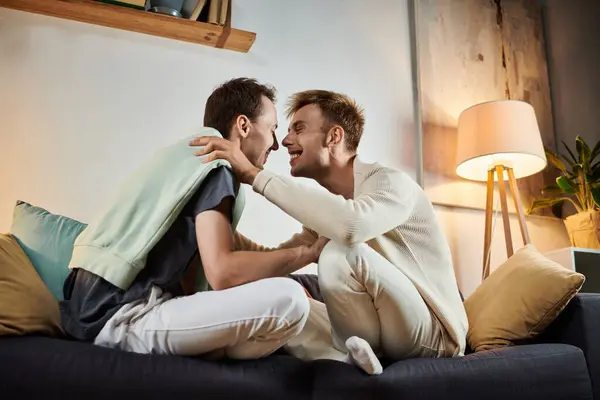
<point x="244" y="322"/>
<point x="366" y="296"/>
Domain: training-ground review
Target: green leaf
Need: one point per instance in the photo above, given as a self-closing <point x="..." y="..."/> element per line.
<point x="572" y="176"/>
<point x="589" y="178"/>
<point x="552" y="189"/>
<point x="544" y="203"/>
<point x="584" y="154"/>
<point x="567" y="159"/>
<point x="573" y="159"/>
<point x="556" y="161"/>
<point x="566" y="184"/>
<point x="595" y="152"/>
<point x="596" y="195"/>
<point x="595" y="171"/>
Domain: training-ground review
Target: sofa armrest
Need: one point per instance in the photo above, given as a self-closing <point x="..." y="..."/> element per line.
<point x="579" y="325"/>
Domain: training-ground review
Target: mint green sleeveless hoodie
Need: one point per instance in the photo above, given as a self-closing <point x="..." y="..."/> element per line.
<point x="116" y="242"/>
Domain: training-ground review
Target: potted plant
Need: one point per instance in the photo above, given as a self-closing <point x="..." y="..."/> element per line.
<point x="579" y="184"/>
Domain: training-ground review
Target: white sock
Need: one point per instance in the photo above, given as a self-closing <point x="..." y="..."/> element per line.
<point x="361" y="354"/>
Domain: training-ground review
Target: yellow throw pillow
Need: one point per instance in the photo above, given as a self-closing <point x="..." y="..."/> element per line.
<point x="26" y="305"/>
<point x="519" y="300"/>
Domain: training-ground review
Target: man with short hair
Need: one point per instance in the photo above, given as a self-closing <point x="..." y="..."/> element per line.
<point x="387" y="275"/>
<point x="143" y="269"/>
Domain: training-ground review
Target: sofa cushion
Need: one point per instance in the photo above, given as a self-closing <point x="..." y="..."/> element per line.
<point x="579" y="325"/>
<point x="49" y="368"/>
<point x="544" y="372"/>
<point x="519" y="300"/>
<point x="75" y="370"/>
<point x="26" y="305"/>
<point x="48" y="242"/>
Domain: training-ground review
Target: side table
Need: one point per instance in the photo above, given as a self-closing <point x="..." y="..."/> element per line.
<point x="585" y="261"/>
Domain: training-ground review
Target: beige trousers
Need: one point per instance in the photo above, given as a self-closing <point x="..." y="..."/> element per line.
<point x="245" y="322"/>
<point x="366" y="296"/>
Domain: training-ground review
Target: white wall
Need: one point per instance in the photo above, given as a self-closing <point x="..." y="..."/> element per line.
<point x="82" y="105"/>
<point x="464" y="230"/>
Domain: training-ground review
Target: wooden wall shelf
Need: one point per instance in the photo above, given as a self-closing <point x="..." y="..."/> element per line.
<point x="129" y="19"/>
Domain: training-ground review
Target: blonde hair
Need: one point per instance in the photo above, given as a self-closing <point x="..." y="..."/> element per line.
<point x="337" y="109"/>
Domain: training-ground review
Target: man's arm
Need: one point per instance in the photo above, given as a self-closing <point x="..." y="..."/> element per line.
<point x="224" y="267"/>
<point x="304" y="238"/>
<point x="387" y="197"/>
<point x="386" y="201"/>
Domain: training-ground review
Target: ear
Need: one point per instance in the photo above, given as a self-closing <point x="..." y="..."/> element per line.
<point x="242" y="125"/>
<point x="335" y="135"/>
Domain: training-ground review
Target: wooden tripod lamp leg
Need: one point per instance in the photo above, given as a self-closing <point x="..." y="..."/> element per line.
<point x="518" y="206"/>
<point x="487" y="241"/>
<point x="504" y="204"/>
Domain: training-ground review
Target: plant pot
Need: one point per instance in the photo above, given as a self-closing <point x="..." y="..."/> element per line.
<point x="584" y="229"/>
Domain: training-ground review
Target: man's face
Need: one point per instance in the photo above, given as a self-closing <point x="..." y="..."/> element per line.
<point x="261" y="139"/>
<point x="306" y="142"/>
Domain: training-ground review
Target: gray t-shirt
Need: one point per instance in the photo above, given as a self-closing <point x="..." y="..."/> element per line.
<point x="90" y="301"/>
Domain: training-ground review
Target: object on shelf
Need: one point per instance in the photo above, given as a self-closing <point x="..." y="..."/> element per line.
<point x="192" y="8"/>
<point x="137" y="4"/>
<point x="125" y="18"/>
<point x="219" y="12"/>
<point x="213" y="11"/>
<point x="225" y="4"/>
<point x="167" y="7"/>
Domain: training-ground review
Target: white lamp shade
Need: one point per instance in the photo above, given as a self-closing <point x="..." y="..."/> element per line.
<point x="503" y="132"/>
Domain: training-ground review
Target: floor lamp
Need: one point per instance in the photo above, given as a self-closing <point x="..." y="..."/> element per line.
<point x="499" y="139"/>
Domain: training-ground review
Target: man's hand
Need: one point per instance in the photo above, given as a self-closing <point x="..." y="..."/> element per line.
<point x="217" y="148"/>
<point x="316" y="248"/>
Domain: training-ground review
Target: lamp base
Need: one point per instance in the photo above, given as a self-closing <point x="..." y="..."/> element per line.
<point x="487" y="241"/>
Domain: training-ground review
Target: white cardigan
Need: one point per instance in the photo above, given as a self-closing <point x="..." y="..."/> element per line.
<point x="393" y="215"/>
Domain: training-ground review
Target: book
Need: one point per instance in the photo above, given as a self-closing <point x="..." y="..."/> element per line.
<point x="197" y="10"/>
<point x="189" y="6"/>
<point x="137" y="4"/>
<point x="203" y="17"/>
<point x="225" y="4"/>
<point x="213" y="11"/>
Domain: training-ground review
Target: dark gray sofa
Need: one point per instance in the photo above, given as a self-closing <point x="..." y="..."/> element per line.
<point x="564" y="363"/>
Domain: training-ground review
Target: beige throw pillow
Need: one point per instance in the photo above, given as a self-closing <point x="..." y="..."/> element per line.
<point x="26" y="305"/>
<point x="519" y="300"/>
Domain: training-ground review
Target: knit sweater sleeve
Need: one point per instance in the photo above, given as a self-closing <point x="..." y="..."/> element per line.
<point x="384" y="201"/>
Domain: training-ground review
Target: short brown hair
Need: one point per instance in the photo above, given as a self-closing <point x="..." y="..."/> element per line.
<point x="337" y="108"/>
<point x="239" y="96"/>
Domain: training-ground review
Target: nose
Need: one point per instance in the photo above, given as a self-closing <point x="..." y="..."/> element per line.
<point x="287" y="141"/>
<point x="275" y="143"/>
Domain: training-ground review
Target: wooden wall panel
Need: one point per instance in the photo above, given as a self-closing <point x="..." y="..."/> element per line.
<point x="471" y="51"/>
<point x="527" y="76"/>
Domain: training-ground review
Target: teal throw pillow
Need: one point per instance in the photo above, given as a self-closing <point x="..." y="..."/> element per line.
<point x="47" y="239"/>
